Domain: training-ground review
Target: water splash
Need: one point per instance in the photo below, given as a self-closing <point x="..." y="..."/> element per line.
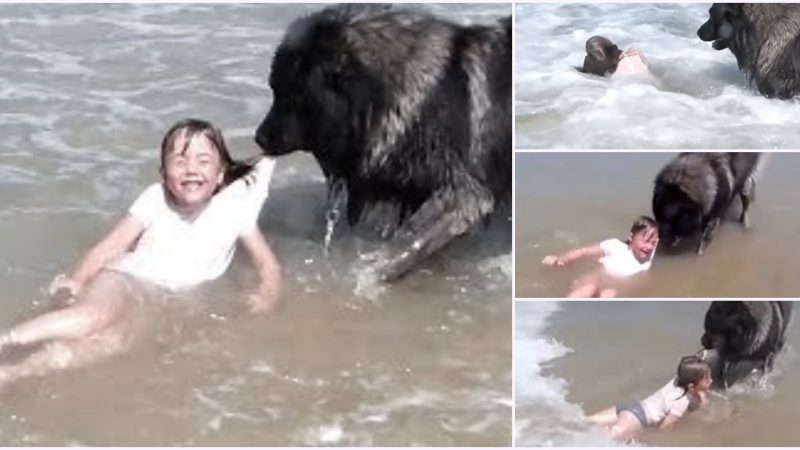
<point x="337" y="199"/>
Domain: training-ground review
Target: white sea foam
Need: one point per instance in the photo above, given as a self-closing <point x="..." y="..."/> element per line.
<point x="544" y="415"/>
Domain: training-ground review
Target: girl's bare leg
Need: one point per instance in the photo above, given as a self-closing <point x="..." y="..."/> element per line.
<point x="74" y="341"/>
<point x="61" y="355"/>
<point x="99" y="304"/>
<point x="587" y="286"/>
<point x="584" y="291"/>
<point x="607" y="293"/>
<point x="607" y="416"/>
<point x="626" y="428"/>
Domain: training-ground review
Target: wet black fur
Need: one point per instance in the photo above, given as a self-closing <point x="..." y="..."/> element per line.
<point x="746" y="337"/>
<point x="340" y="78"/>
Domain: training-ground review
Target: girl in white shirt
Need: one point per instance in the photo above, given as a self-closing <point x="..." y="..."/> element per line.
<point x="684" y="393"/>
<point x="619" y="259"/>
<point x="179" y="233"/>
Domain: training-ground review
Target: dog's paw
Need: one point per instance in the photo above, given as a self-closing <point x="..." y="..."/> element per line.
<point x="745" y="222"/>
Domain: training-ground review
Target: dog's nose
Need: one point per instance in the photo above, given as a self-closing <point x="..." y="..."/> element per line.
<point x="261" y="141"/>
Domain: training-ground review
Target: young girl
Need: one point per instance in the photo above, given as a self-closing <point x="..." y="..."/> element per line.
<point x="604" y="58"/>
<point x="178" y="233"/>
<point x="684" y="393"/>
<point x="619" y="259"/>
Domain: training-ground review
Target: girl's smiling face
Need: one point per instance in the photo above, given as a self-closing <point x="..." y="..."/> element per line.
<point x="192" y="171"/>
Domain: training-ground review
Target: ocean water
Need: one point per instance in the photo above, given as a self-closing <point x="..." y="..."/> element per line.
<point x="695" y="98"/>
<point x="86" y="93"/>
<point x="574" y="358"/>
<point x="570" y="200"/>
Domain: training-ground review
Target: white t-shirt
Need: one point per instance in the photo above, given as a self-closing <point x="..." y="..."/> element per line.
<point x="176" y="253"/>
<point x="618" y="259"/>
<point x="670" y="399"/>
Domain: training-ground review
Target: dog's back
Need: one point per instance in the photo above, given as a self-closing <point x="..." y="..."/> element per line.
<point x="696" y="175"/>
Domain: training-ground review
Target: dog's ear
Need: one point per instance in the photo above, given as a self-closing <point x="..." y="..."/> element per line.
<point x="739" y="331"/>
<point x="707" y="341"/>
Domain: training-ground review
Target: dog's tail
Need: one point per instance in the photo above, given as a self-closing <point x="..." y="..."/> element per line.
<point x="761" y="164"/>
<point x="755" y="175"/>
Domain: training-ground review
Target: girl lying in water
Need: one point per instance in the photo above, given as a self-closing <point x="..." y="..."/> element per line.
<point x="685" y="393"/>
<point x="178" y="233"/>
<point x="619" y="259"/>
<point x="604" y="58"/>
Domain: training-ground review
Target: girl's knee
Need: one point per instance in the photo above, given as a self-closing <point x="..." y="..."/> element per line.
<point x="608" y="293"/>
<point x="585" y="291"/>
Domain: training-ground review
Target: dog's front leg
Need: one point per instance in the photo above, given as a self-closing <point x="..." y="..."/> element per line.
<point x="708" y="234"/>
<point x="445" y="215"/>
<point x="747" y="195"/>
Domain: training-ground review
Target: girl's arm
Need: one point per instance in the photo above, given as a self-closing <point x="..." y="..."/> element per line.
<point x="119" y="239"/>
<point x="703" y="398"/>
<point x="572" y="255"/>
<point x="269" y="270"/>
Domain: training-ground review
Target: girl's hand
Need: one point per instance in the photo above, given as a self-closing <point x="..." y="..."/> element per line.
<point x="703" y="398"/>
<point x="631" y="52"/>
<point x="263" y="301"/>
<point x="552" y="260"/>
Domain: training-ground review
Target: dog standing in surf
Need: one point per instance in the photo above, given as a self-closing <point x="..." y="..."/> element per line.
<point x="408" y="115"/>
<point x="693" y="192"/>
<point x="764" y="38"/>
<point x="744" y="337"/>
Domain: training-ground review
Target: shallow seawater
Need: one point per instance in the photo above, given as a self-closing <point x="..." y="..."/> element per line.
<point x="574" y="358"/>
<point x="87" y="93"/>
<point x="695" y="97"/>
<point x="570" y="200"/>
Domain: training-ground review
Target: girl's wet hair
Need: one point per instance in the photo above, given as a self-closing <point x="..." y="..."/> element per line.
<point x="193" y="127"/>
<point x="602" y="56"/>
<point x="691" y="369"/>
<point x="643" y="223"/>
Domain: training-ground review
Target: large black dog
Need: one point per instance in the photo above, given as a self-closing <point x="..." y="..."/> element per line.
<point x="744" y="337"/>
<point x="409" y="117"/>
<point x="694" y="191"/>
<point x="764" y="38"/>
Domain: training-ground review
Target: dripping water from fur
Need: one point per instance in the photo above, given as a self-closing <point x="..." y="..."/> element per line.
<point x="337" y="200"/>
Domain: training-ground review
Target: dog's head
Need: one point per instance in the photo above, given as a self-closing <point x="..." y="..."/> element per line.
<point x="677" y="215"/>
<point x="720" y="24"/>
<point x="729" y="329"/>
<point x="322" y="94"/>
